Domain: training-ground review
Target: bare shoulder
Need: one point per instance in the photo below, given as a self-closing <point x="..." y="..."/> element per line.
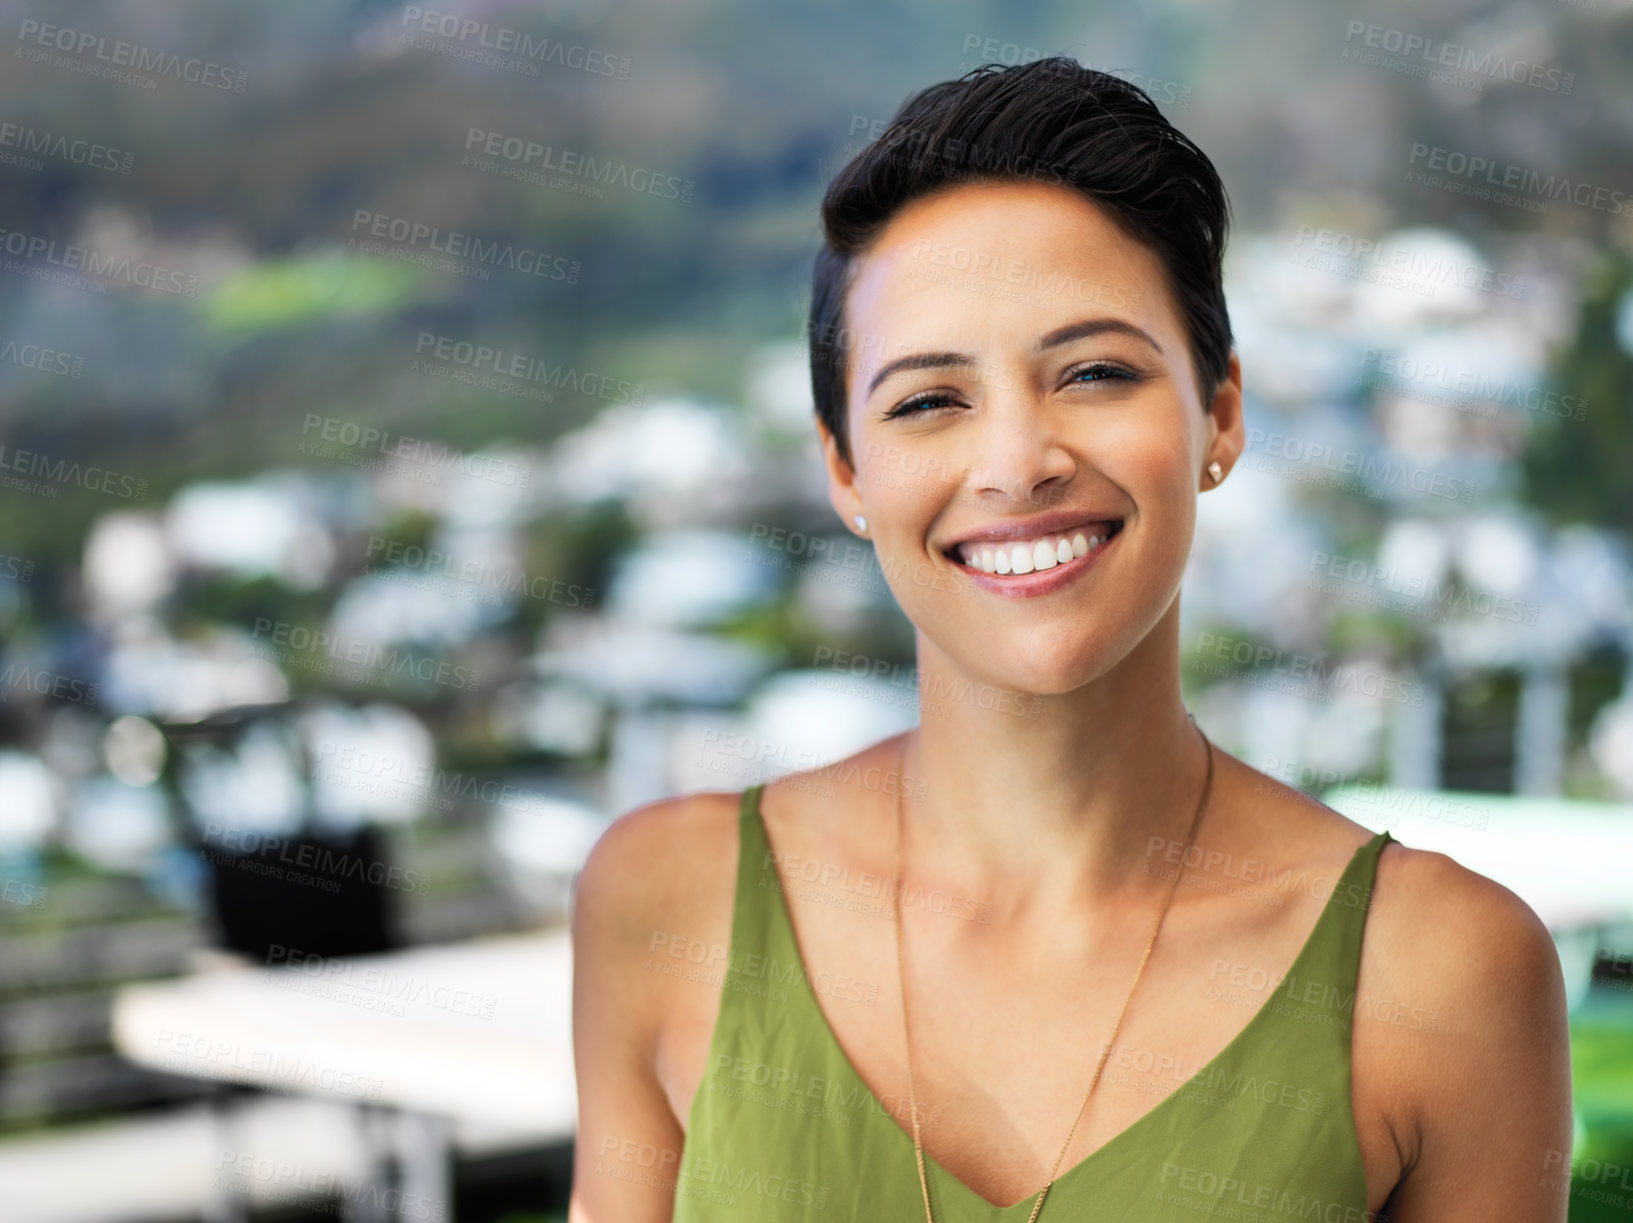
<point x="1263" y="815"/>
<point x="1456" y="923"/>
<point x="665" y="862"/>
<point x="1436" y="924"/>
<point x="1483" y="1089"/>
<point x="660" y="877"/>
<point x="1460" y="1035"/>
<point x="652" y="903"/>
<point x="1470" y="949"/>
<point x="651" y="930"/>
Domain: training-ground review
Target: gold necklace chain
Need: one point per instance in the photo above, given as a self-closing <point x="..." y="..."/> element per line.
<point x="912" y="1094"/>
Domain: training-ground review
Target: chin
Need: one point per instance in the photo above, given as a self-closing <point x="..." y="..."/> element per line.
<point x="1048" y="668"/>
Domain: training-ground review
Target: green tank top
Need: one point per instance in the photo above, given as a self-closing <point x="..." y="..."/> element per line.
<point x="782" y="1127"/>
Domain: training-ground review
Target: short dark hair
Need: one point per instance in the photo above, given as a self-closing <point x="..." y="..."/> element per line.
<point x="1050" y="120"/>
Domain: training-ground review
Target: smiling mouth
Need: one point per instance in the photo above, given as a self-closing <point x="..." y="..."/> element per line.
<point x="1024" y="556"/>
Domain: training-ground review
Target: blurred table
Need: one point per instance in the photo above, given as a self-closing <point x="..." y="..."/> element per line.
<point x="476" y="1034"/>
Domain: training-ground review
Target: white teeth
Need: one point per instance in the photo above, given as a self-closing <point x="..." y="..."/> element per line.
<point x="1029" y="556"/>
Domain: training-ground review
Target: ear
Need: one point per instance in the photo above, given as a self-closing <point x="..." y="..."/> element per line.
<point x="843" y="493"/>
<point x="1227" y="435"/>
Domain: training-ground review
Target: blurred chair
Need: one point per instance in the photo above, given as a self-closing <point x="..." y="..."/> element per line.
<point x="270" y="899"/>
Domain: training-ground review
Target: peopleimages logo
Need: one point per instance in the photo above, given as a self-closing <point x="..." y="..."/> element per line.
<point x="73" y="258"/>
<point x="15" y="677"/>
<point x="1508" y="177"/>
<point x="109" y="59"/>
<point x="1398" y="264"/>
<point x="426" y="567"/>
<point x="62" y="472"/>
<point x="1434" y="51"/>
<point x="482" y="359"/>
<point x="458" y="245"/>
<point x="38" y="357"/>
<point x="1404" y="373"/>
<point x="326" y="653"/>
<point x="526" y="160"/>
<point x="281" y="1182"/>
<point x="530" y="50"/>
<point x="332" y="864"/>
<point x="433" y="458"/>
<point x="85" y="153"/>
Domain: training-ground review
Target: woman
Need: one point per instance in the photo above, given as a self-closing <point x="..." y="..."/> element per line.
<point x="1024" y="376"/>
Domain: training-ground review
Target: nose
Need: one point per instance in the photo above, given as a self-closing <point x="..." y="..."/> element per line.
<point x="1018" y="450"/>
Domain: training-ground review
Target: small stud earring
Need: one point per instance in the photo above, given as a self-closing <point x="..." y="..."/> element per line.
<point x="861" y="522"/>
<point x="1217" y="472"/>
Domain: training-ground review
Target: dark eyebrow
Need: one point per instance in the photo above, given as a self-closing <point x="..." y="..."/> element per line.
<point x="1095" y="326"/>
<point x="920" y="360"/>
<point x="1057" y="337"/>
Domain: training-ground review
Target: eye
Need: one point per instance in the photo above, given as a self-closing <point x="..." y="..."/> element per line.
<point x="1100" y="371"/>
<point x="1083" y="375"/>
<point x="922" y="402"/>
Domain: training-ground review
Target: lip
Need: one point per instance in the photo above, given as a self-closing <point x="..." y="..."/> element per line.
<point x="1038" y="582"/>
<point x="1061" y="522"/>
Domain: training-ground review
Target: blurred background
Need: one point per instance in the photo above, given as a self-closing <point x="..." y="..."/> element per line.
<point x="407" y="466"/>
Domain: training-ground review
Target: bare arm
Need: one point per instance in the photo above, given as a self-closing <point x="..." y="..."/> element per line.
<point x="1489" y="1113"/>
<point x="628" y="1144"/>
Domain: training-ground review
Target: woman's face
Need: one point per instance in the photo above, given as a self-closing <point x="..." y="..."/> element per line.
<point x="1020" y="386"/>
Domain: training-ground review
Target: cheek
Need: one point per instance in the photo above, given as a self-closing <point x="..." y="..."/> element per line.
<point x="1158" y="472"/>
<point x="903" y="487"/>
<point x="1157" y="477"/>
<point x="1151" y="465"/>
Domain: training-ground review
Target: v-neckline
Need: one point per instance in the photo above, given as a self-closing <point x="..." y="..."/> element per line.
<point x="1076" y="1170"/>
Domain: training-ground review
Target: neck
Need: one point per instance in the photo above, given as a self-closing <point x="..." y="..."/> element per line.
<point x="1060" y="808"/>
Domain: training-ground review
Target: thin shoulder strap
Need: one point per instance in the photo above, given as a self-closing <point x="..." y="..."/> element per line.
<point x="1355" y="900"/>
<point x="750" y="913"/>
<point x="1323" y="985"/>
<point x="765" y="985"/>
